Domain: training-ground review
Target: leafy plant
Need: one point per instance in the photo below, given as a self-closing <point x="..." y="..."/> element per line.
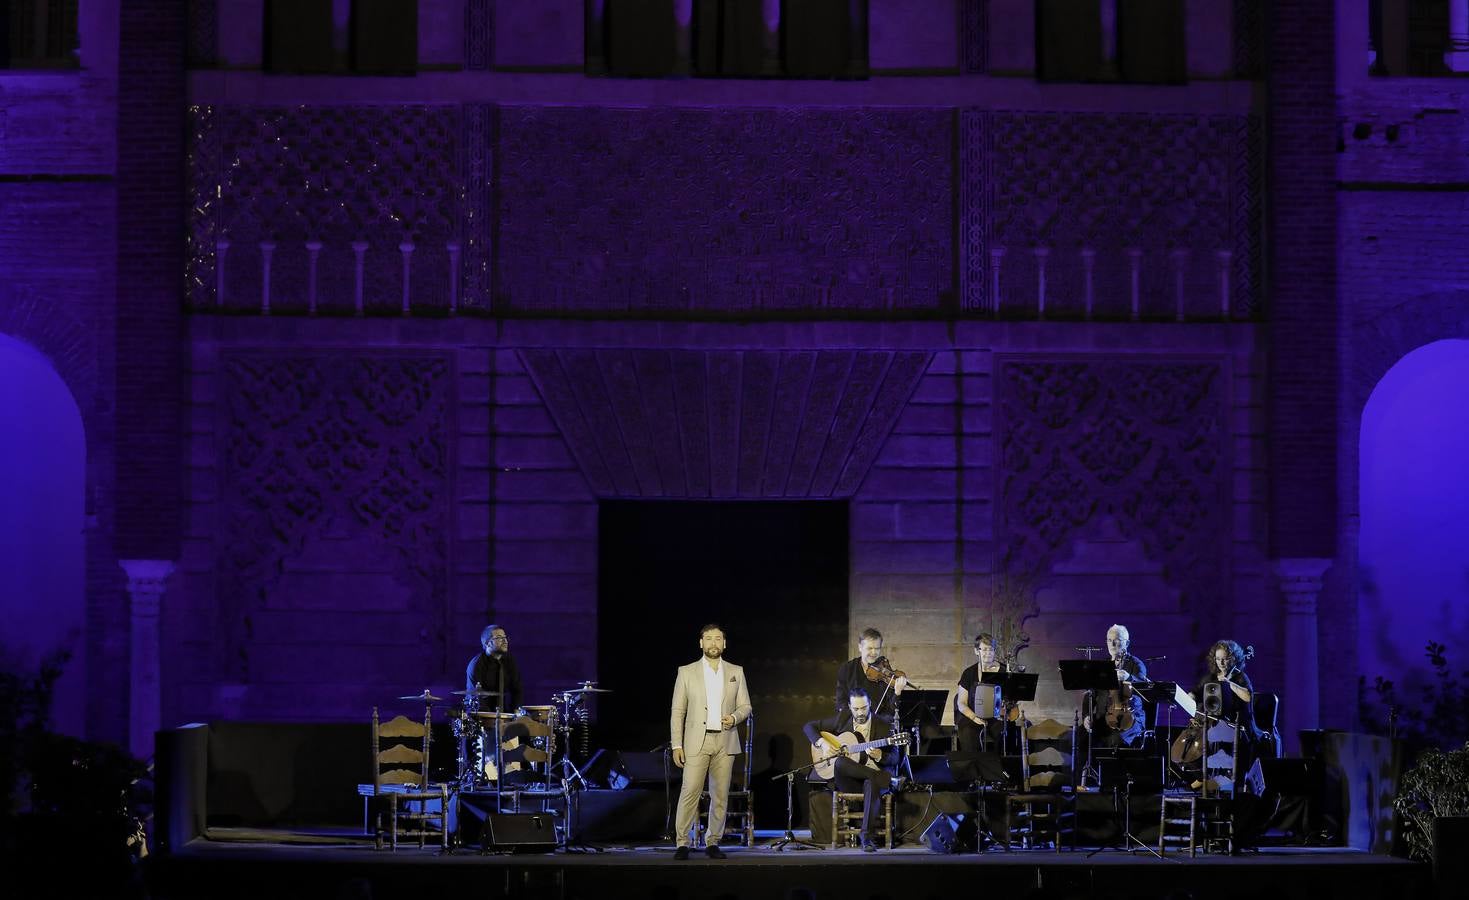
<point x="1437" y="785"/>
<point x="1441" y="717"/>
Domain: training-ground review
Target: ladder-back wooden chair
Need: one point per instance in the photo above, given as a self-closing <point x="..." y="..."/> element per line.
<point x="414" y="808"/>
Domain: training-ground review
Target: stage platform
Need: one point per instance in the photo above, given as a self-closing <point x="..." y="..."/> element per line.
<point x="256" y="863"/>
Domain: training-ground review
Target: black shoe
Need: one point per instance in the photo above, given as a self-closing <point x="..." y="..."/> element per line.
<point x="681" y="853"/>
<point x="713" y="852"/>
<point x="868" y="846"/>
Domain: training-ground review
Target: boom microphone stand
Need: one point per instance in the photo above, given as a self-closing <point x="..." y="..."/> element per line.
<point x="790" y="839"/>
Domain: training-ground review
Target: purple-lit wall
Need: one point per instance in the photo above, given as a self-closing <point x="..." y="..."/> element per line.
<point x="42" y="478"/>
<point x="1414" y="554"/>
<point x="357" y="496"/>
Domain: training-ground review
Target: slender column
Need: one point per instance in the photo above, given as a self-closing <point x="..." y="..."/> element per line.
<point x="1224" y="257"/>
<point x="997" y="255"/>
<point x="453" y="247"/>
<point x="1088" y="264"/>
<point x="359" y="249"/>
<point x="313" y="250"/>
<point x="406" y="248"/>
<point x="1180" y="263"/>
<point x="147" y="580"/>
<point x="1300" y="586"/>
<point x="221" y="249"/>
<point x="1041" y="254"/>
<point x="267" y="251"/>
<point x="1134" y="265"/>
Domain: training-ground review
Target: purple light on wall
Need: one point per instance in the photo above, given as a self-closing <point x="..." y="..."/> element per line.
<point x="42" y="472"/>
<point x="1414" y="547"/>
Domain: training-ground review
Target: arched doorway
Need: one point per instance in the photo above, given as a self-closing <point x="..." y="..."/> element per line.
<point x="42" y="481"/>
<point x="1414" y="544"/>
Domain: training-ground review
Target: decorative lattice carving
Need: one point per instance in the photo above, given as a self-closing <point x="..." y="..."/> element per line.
<point x="320" y="447"/>
<point x="1140" y="443"/>
<point x="384" y="175"/>
<point x="479" y="33"/>
<point x="1160" y="184"/>
<point x="723" y="210"/>
<point x="976" y="36"/>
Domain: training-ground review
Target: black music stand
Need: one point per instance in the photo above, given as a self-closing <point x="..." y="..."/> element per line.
<point x="1166" y="695"/>
<point x="1088" y="675"/>
<point x="919" y="708"/>
<point x="1015" y="687"/>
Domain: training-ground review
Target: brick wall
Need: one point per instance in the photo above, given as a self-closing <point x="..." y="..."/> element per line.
<point x="150" y="229"/>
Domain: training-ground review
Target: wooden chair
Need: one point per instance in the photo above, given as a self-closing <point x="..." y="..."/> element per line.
<point x="1208" y="810"/>
<point x="846" y="818"/>
<point x="740" y="808"/>
<point x="400" y="781"/>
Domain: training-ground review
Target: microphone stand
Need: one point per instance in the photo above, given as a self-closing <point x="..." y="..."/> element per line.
<point x="790" y="839"/>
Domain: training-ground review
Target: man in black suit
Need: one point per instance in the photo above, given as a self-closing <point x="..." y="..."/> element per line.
<point x="874" y="774"/>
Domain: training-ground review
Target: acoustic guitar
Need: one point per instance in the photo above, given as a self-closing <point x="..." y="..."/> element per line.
<point x="831" y="747"/>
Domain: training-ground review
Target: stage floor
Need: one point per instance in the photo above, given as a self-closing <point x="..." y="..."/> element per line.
<point x="323" y="864"/>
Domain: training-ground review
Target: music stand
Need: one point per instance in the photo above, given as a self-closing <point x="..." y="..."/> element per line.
<point x="1166" y="695"/>
<point x="919" y="708"/>
<point x="1088" y="675"/>
<point x="1014" y="687"/>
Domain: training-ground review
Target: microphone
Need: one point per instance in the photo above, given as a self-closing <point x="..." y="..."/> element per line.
<point x="1088" y="649"/>
<point x="1155" y="658"/>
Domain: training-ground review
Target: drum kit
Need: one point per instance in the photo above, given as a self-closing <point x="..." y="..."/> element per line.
<point x="523" y="745"/>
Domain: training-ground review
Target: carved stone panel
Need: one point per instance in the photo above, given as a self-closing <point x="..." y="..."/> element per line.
<point x="724" y="211"/>
<point x="1136" y="446"/>
<point x="334" y="517"/>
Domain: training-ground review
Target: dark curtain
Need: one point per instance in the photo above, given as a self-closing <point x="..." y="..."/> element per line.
<point x="1068" y="38"/>
<point x="385" y="37"/>
<point x="640" y="38"/>
<point x="1150" y="41"/>
<point x="728" y="37"/>
<point x="298" y="36"/>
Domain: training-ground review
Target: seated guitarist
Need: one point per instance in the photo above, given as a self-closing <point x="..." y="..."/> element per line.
<point x="874" y="775"/>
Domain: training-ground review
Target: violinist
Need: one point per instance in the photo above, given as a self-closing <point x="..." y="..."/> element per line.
<point x="971" y="714"/>
<point x="1115" y="718"/>
<point x="870" y="671"/>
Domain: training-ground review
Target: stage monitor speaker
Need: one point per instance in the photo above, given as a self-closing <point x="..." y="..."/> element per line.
<point x="1213" y="699"/>
<point x="624" y="769"/>
<point x="951" y="833"/>
<point x="519" y="832"/>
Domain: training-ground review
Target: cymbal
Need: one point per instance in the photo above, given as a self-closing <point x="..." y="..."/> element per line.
<point x="587" y="688"/>
<point x="477" y="692"/>
<point x="426" y="697"/>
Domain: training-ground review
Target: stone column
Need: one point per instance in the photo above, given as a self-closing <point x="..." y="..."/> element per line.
<point x="1300" y="586"/>
<point x="147" y="579"/>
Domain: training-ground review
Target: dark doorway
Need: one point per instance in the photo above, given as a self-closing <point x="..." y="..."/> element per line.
<point x="773" y="574"/>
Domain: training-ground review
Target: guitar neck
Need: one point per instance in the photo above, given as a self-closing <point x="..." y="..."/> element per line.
<point x="871" y="745"/>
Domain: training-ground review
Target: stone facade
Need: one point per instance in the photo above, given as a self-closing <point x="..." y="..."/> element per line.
<point x="1075" y="354"/>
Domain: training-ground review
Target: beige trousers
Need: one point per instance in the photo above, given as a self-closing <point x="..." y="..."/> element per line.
<point x="713" y="761"/>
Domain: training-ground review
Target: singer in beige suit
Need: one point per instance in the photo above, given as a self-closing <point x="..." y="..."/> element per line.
<point x="710" y="699"/>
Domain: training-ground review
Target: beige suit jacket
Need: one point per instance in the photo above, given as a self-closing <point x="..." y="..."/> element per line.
<point x="691" y="708"/>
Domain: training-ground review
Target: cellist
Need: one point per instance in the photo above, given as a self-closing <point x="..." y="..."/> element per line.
<point x="1115" y="718"/>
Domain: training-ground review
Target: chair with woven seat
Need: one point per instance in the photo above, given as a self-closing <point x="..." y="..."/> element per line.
<point x="1043" y="811"/>
<point x="846" y="818"/>
<point x="400" y="782"/>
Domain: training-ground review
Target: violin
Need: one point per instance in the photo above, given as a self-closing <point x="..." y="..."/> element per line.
<point x="882" y="672"/>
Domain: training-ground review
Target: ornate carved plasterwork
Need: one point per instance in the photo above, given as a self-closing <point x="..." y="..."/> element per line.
<point x="384" y="175"/>
<point x="726" y="424"/>
<point x="318" y="447"/>
<point x="1109" y="183"/>
<point x="1140" y="443"/>
<point x="724" y="211"/>
<point x="976" y="22"/>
